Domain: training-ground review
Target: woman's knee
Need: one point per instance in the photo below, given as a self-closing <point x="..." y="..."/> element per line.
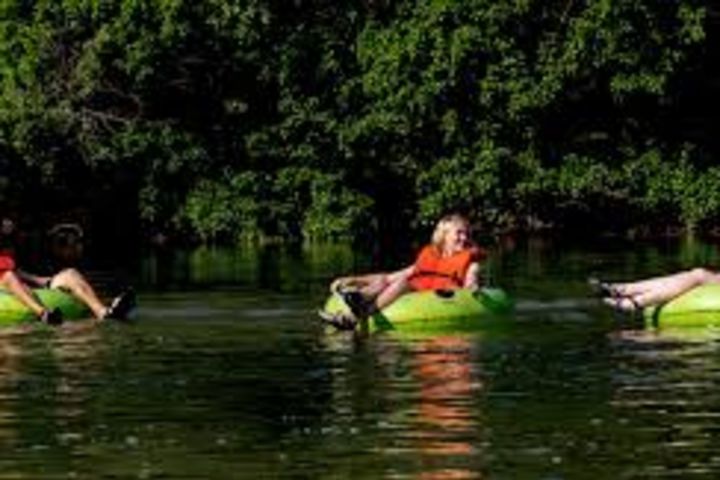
<point x="66" y="277"/>
<point x="399" y="284"/>
<point x="8" y="276"/>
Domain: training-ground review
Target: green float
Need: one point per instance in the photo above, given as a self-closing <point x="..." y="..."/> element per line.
<point x="437" y="311"/>
<point x="13" y="312"/>
<point x="698" y="307"/>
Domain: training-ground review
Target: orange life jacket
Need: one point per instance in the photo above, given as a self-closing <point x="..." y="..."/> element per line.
<point x="7" y="260"/>
<point x="435" y="272"/>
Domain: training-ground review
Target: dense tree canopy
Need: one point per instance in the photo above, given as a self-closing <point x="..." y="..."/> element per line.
<point x="252" y="119"/>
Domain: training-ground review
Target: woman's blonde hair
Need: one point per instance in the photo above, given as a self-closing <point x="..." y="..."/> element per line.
<point x="443" y="227"/>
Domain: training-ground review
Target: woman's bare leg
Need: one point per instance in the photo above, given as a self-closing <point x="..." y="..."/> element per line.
<point x="358" y="282"/>
<point x="676" y="285"/>
<point x="662" y="289"/>
<point x="374" y="286"/>
<point x="73" y="281"/>
<point x="12" y="283"/>
<point x="686" y="279"/>
<point x="392" y="292"/>
<point x="370" y="293"/>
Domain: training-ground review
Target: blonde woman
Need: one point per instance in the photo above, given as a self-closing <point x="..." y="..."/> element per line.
<point x="449" y="262"/>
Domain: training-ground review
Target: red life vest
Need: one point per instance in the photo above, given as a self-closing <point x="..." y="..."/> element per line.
<point x="7" y="260"/>
<point x="435" y="272"/>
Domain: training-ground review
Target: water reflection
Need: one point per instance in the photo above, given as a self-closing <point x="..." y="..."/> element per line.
<point x="227" y="374"/>
<point x="414" y="404"/>
<point x="9" y="375"/>
<point x="446" y="427"/>
<point x="43" y="389"/>
<point x="569" y="393"/>
<point x="269" y="267"/>
<point x="552" y="398"/>
<point x="666" y="388"/>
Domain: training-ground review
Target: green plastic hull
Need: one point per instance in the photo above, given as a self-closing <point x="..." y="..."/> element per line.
<point x="436" y="312"/>
<point x="13" y="312"/>
<point x="697" y="308"/>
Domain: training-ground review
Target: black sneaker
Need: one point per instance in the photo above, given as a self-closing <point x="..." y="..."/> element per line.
<point x="121" y="306"/>
<point x="356" y="302"/>
<point x="338" y="320"/>
<point x="51" y="317"/>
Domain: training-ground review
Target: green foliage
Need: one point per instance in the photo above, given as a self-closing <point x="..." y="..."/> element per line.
<point x="495" y="104"/>
<point x="251" y="119"/>
<point x="298" y="203"/>
<point x="229" y="209"/>
<point x="335" y="212"/>
<point x="470" y="182"/>
<point x="684" y="192"/>
<point x="127" y="86"/>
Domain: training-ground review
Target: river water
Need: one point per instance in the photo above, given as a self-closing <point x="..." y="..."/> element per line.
<point x="226" y="373"/>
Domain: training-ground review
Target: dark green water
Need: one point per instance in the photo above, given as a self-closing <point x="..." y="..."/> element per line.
<point x="227" y="374"/>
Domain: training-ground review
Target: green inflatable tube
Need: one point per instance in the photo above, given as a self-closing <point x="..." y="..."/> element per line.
<point x="697" y="307"/>
<point x="13" y="312"/>
<point x="436" y="311"/>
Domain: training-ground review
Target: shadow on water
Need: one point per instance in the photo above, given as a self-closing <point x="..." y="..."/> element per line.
<point x="227" y="374"/>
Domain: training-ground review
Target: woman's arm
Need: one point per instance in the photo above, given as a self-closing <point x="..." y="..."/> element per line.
<point x="405" y="273"/>
<point x="356" y="281"/>
<point x="375" y="279"/>
<point x="33" y="280"/>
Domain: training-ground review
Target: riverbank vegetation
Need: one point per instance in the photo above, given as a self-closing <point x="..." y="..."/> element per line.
<point x="226" y="120"/>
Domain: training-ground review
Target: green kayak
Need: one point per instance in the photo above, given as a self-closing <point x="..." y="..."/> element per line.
<point x="698" y="307"/>
<point x="13" y="312"/>
<point x="436" y="311"/>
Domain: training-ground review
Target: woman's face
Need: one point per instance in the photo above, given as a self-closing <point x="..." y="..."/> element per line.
<point x="456" y="238"/>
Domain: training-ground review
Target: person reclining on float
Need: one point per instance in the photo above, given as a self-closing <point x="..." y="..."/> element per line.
<point x="18" y="283"/>
<point x="449" y="262"/>
<point x="634" y="296"/>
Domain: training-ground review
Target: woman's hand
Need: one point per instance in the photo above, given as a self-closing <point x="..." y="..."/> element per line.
<point x="472" y="277"/>
<point x="34" y="280"/>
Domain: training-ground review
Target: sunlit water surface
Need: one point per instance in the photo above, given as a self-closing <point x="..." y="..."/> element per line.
<point x="226" y="373"/>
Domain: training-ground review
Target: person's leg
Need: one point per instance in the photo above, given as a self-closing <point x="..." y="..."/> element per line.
<point x="662" y="289"/>
<point x="374" y="286"/>
<point x="380" y="290"/>
<point x="676" y="285"/>
<point x="12" y="283"/>
<point x="74" y="282"/>
<point x="392" y="292"/>
<point x="661" y="283"/>
<point x="359" y="292"/>
<point x="378" y="293"/>
<point x="369" y="285"/>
